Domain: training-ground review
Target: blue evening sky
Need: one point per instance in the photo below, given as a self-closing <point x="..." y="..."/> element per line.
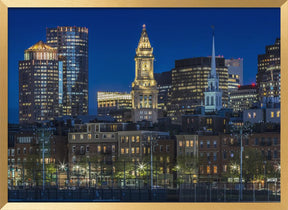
<point x="114" y="35"/>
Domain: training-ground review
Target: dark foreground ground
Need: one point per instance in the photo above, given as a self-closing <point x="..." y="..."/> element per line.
<point x="200" y="194"/>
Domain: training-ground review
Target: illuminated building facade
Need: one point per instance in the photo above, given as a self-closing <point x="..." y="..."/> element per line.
<point x="269" y="86"/>
<point x="212" y="94"/>
<point x="108" y="101"/>
<point x="40" y="84"/>
<point x="268" y="75"/>
<point x="144" y="88"/>
<point x="235" y="71"/>
<point x="115" y="104"/>
<point x="189" y="81"/>
<point x="235" y="75"/>
<point x="243" y="98"/>
<point x="164" y="86"/>
<point x="72" y="46"/>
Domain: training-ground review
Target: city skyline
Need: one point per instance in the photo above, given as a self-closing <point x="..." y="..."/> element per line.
<point x="100" y="75"/>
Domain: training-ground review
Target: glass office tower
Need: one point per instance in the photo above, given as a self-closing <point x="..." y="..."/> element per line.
<point x="72" y="46"/>
<point x="39" y="84"/>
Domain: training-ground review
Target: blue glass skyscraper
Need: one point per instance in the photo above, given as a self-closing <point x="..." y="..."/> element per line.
<point x="72" y="47"/>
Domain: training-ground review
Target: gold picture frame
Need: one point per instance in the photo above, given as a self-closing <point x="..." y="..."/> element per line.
<point x="5" y="4"/>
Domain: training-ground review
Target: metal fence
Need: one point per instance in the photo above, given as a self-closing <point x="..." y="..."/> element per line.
<point x="200" y="192"/>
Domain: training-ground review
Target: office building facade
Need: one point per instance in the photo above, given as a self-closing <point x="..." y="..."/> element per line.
<point x="72" y="46"/>
<point x="40" y="84"/>
<point x="268" y="75"/>
<point x="164" y="86"/>
<point x="243" y="98"/>
<point x="189" y="81"/>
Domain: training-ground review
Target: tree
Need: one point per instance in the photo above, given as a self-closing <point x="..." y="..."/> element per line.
<point x="254" y="167"/>
<point x="186" y="166"/>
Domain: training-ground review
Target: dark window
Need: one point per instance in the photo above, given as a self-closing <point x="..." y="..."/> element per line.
<point x="224" y="155"/>
<point x="275" y="141"/>
<point x="247" y="141"/>
<point x="262" y="141"/>
<point x="256" y="141"/>
<point x="275" y="154"/>
<point x="269" y="155"/>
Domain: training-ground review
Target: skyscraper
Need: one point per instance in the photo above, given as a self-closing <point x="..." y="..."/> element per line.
<point x="189" y="81"/>
<point x="268" y="75"/>
<point x="40" y="84"/>
<point x="144" y="88"/>
<point x="243" y="98"/>
<point x="235" y="71"/>
<point x="72" y="46"/>
<point x="164" y="85"/>
<point x="212" y="94"/>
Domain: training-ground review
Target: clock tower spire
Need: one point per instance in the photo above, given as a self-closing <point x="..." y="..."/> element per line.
<point x="144" y="88"/>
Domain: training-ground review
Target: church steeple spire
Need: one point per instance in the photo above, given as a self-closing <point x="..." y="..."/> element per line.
<point x="213" y="95"/>
<point x="213" y="59"/>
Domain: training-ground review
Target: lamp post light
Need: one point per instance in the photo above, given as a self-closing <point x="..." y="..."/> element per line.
<point x="243" y="129"/>
<point x="152" y="142"/>
<point x="265" y="174"/>
<point x="78" y="181"/>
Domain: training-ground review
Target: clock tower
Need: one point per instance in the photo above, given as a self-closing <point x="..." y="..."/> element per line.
<point x="144" y="88"/>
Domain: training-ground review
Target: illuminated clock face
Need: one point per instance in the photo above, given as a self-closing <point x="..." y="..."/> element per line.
<point x="145" y="68"/>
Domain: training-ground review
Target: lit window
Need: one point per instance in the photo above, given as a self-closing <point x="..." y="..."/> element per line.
<point x="99" y="148"/>
<point x="191" y="143"/>
<point x="278" y="113"/>
<point x="73" y="137"/>
<point x="254" y="114"/>
<point x="208" y="170"/>
<point x="122" y="150"/>
<point x="180" y="143"/>
<point x="113" y="148"/>
<point x="215" y="169"/>
<point x="132" y="150"/>
<point x="249" y="115"/>
<point x="272" y="114"/>
<point x="187" y="143"/>
<point x="89" y="136"/>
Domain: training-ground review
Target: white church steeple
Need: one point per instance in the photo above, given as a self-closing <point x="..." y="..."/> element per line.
<point x="213" y="96"/>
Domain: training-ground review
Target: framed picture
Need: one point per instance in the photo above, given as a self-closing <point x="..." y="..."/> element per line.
<point x="130" y="173"/>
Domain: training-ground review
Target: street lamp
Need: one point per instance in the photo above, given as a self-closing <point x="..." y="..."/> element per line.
<point x="152" y="143"/>
<point x="243" y="129"/>
<point x="265" y="174"/>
